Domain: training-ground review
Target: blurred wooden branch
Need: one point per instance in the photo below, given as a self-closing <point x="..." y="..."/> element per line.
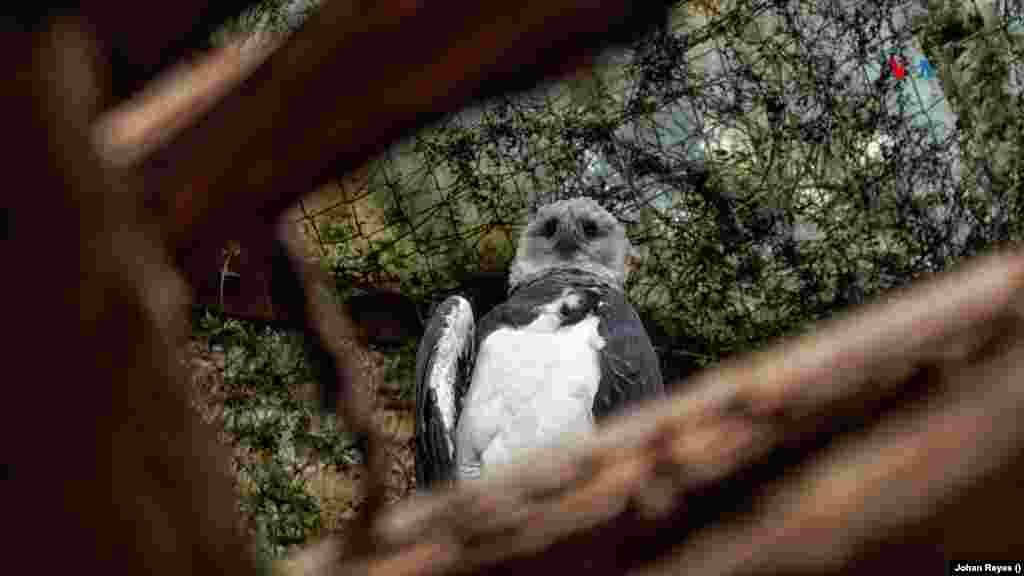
<point x="129" y="132"/>
<point x="329" y="326"/>
<point x="138" y="53"/>
<point x="357" y="77"/>
<point x="109" y="468"/>
<point x="889" y="437"/>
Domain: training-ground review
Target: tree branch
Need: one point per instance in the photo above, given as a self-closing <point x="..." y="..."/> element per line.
<point x="290" y="125"/>
<point x="838" y="449"/>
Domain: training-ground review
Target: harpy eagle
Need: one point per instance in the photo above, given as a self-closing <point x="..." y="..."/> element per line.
<point x="563" y="352"/>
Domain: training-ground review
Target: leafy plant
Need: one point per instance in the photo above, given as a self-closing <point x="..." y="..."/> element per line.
<point x="267" y="422"/>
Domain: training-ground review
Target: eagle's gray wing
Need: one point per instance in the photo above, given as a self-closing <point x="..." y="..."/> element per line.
<point x="444" y="367"/>
<point x="630" y="370"/>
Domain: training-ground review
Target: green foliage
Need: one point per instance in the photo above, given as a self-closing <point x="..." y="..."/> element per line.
<point x="400" y="366"/>
<point x="268" y="425"/>
<point x="266" y="16"/>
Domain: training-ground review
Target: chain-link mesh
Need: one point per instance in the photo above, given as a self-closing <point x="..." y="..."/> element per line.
<point x="775" y="161"/>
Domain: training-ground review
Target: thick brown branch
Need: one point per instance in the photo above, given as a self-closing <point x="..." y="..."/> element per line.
<point x="122" y="478"/>
<point x="140" y="52"/>
<point x="817" y="454"/>
<point x="357" y="77"/>
<point x="332" y="328"/>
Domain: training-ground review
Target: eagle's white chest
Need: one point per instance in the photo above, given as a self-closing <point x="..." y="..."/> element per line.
<point x="530" y="387"/>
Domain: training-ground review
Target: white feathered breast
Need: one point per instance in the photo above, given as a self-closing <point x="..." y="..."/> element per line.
<point x="531" y="387"/>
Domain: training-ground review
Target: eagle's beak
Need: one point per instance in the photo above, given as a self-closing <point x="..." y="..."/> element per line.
<point x="567" y="238"/>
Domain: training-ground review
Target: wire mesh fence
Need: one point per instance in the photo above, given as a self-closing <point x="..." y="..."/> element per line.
<point x="776" y="162"/>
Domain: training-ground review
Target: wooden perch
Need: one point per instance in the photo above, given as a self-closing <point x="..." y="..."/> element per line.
<point x="890" y="436"/>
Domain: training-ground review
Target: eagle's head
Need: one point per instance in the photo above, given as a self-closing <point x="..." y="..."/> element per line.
<point x="576" y="233"/>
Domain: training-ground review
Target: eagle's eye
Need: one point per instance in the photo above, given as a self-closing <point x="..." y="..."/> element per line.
<point x="549" y="228"/>
<point x="589" y="228"/>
